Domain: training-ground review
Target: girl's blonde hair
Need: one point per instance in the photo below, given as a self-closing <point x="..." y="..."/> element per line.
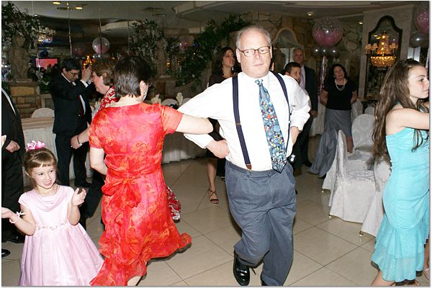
<point x="36" y="158"/>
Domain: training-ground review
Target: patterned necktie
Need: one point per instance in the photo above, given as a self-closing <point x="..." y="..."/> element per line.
<point x="273" y="132"/>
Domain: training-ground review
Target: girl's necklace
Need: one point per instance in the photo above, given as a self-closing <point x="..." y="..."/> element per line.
<point x="343" y="86"/>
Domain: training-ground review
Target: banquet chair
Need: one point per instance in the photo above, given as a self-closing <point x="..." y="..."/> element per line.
<point x="362" y="128"/>
<point x="375" y="214"/>
<point x="185" y="100"/>
<point x="353" y="189"/>
<point x="43" y="112"/>
<point x="356" y="109"/>
<point x="170" y="102"/>
<point x="370" y="110"/>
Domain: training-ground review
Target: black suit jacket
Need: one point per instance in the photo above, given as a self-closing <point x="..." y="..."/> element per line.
<point x="12" y="127"/>
<point x="66" y="105"/>
<point x="311" y="87"/>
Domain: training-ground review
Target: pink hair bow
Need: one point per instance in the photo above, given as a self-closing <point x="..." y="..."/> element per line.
<point x="35" y="145"/>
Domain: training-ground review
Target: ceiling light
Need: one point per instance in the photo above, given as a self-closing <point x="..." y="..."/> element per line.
<point x="310" y="13"/>
<point x="56" y="2"/>
<point x="79" y="7"/>
<point x="360" y="22"/>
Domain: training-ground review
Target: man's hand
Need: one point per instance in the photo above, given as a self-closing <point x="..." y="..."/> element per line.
<point x="86" y="73"/>
<point x="219" y="148"/>
<point x="294" y="134"/>
<point x="314" y="113"/>
<point x="12" y="147"/>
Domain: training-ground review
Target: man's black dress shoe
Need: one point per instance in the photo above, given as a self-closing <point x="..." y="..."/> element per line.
<point x="307" y="163"/>
<point x="5" y="253"/>
<point x="240" y="271"/>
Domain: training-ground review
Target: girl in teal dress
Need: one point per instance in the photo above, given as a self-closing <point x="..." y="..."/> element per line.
<point x="403" y="135"/>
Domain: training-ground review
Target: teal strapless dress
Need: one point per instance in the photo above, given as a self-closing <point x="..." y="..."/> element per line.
<point x="399" y="248"/>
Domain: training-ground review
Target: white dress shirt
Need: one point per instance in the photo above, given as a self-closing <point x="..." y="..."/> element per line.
<point x="217" y="102"/>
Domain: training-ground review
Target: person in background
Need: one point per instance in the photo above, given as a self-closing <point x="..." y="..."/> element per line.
<point x="293" y="69"/>
<point x="222" y="68"/>
<point x="308" y="83"/>
<point x="72" y="115"/>
<point x="103" y="79"/>
<point x="138" y="223"/>
<point x="57" y="250"/>
<point x="401" y="132"/>
<point x="260" y="186"/>
<point x="338" y="94"/>
<point x="12" y="183"/>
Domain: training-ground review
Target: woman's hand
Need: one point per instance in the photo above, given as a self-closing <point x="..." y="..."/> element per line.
<point x="78" y="197"/>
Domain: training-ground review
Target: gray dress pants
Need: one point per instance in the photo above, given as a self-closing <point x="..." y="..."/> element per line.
<point x="263" y="204"/>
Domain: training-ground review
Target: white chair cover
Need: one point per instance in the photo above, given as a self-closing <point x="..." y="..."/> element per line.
<point x="375" y="214"/>
<point x="169" y="102"/>
<point x="185" y="100"/>
<point x="353" y="190"/>
<point x="356" y="109"/>
<point x="370" y="110"/>
<point x="43" y="112"/>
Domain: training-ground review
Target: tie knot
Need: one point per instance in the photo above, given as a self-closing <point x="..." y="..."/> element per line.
<point x="259" y="82"/>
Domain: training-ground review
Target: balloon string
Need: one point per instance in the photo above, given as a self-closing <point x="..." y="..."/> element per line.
<point x="100" y="36"/>
<point x="70" y="38"/>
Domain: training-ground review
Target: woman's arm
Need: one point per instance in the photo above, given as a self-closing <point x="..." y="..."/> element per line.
<point x="78" y="140"/>
<point x="25" y="223"/>
<point x="194" y="125"/>
<point x="353" y="97"/>
<point x="73" y="210"/>
<point x="97" y="161"/>
<point x="400" y="118"/>
<point x="324" y="97"/>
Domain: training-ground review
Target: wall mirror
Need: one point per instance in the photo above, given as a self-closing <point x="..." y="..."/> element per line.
<point x="382" y="52"/>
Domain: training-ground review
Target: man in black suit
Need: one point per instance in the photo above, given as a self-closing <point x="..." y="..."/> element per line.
<point x="72" y="115"/>
<point x="12" y="174"/>
<point x="308" y="83"/>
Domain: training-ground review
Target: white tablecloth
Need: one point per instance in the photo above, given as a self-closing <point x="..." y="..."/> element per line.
<point x="176" y="146"/>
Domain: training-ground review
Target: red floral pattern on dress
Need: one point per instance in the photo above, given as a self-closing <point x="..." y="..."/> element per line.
<point x="138" y="223"/>
<point x="108" y="98"/>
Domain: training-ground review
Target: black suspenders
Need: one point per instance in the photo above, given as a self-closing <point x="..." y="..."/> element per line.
<point x="237" y="117"/>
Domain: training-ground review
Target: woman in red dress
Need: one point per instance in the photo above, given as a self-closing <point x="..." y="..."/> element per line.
<point x="138" y="225"/>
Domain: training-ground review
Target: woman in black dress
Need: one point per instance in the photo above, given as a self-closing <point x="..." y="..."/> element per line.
<point x="223" y="67"/>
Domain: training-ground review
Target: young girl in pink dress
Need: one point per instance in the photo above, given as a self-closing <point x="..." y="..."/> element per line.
<point x="57" y="250"/>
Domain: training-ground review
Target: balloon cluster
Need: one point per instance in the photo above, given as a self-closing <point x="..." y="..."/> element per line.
<point x="327" y="32"/>
<point x="421" y="20"/>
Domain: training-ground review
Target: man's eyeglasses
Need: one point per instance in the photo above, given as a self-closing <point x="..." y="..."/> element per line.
<point x="251" y="52"/>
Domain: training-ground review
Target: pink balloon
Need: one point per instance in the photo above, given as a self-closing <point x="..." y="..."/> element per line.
<point x="327" y="31"/>
<point x="96" y="44"/>
<point x="79" y="49"/>
<point x="422" y="22"/>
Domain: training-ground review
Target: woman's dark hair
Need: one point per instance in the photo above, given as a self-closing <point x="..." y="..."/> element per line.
<point x="128" y="74"/>
<point x="330" y="74"/>
<point x="395" y="90"/>
<point x="217" y="60"/>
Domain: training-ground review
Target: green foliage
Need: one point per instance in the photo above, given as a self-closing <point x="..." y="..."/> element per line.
<point x="196" y="58"/>
<point x="144" y="40"/>
<point x="15" y="22"/>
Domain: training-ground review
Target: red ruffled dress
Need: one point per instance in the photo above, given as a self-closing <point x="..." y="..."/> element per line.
<point x="138" y="224"/>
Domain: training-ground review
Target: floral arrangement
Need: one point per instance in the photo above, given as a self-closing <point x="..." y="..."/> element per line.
<point x="33" y="145"/>
<point x="15" y="22"/>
